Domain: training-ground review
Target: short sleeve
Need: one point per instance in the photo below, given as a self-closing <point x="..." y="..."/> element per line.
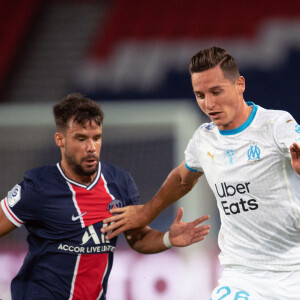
<point x="191" y="155"/>
<point x="286" y="132"/>
<point x="20" y="205"/>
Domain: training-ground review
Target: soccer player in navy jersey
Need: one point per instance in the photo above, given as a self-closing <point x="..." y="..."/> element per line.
<point x="251" y="159"/>
<point x="62" y="207"/>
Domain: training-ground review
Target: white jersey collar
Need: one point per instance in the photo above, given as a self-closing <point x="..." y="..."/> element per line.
<point x="244" y="125"/>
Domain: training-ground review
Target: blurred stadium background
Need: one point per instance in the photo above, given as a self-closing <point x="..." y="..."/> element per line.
<point x="132" y="56"/>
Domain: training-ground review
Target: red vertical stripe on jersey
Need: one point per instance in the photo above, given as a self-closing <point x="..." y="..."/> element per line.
<point x="94" y="202"/>
<point x="90" y="273"/>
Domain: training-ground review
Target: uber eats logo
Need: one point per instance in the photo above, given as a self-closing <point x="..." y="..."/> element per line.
<point x="225" y="190"/>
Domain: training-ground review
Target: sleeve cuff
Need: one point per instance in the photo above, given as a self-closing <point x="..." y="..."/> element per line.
<point x="10" y="215"/>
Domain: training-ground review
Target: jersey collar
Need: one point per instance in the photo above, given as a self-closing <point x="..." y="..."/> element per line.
<point x="244" y="125"/>
<point x="88" y="187"/>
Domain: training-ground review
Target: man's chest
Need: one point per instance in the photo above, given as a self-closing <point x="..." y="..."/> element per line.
<point x="239" y="161"/>
<point x="78" y="207"/>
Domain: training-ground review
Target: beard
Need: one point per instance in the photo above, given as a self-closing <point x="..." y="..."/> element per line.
<point x="77" y="166"/>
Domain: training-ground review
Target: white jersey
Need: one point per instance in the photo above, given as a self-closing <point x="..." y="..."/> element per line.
<point x="257" y="191"/>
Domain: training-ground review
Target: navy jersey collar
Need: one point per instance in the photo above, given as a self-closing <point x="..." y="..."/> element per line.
<point x="88" y="187"/>
<point x="244" y="125"/>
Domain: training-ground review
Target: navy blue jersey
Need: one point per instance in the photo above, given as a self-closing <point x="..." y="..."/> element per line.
<point x="68" y="256"/>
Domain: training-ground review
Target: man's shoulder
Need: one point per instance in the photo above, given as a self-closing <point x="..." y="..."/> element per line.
<point x="206" y="130"/>
<point x="111" y="169"/>
<point x="41" y="171"/>
<point x="120" y="178"/>
<point x="42" y="176"/>
<point x="207" y="127"/>
<point x="271" y="115"/>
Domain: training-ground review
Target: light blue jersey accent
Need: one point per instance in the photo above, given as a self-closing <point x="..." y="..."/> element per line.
<point x="243" y="126"/>
<point x="193" y="170"/>
<point x="230" y="293"/>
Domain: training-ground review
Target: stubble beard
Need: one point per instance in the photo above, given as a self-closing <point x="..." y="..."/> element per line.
<point x="78" y="168"/>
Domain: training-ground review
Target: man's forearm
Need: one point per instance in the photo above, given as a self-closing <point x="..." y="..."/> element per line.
<point x="172" y="190"/>
<point x="179" y="182"/>
<point x="146" y="240"/>
<point x="5" y="225"/>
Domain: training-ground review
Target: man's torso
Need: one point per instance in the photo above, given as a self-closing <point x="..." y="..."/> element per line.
<point x="257" y="193"/>
<point x="68" y="255"/>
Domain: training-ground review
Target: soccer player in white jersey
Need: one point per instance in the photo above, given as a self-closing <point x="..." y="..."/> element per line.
<point x="251" y="159"/>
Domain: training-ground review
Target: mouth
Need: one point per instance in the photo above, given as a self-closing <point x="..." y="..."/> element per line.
<point x="215" y="115"/>
<point x="91" y="161"/>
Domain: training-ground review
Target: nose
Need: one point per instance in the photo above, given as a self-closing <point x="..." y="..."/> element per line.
<point x="209" y="102"/>
<point x="91" y="146"/>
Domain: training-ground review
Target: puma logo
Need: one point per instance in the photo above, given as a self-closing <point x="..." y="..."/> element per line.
<point x="211" y="155"/>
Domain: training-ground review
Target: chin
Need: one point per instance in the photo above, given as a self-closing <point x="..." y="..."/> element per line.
<point x="217" y="123"/>
<point x="91" y="171"/>
<point x="79" y="170"/>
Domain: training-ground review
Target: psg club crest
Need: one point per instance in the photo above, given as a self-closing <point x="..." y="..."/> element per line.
<point x="114" y="204"/>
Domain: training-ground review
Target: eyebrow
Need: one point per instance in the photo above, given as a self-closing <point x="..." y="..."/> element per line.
<point x="215" y="87"/>
<point x="210" y="89"/>
<point x="80" y="135"/>
<point x="76" y="135"/>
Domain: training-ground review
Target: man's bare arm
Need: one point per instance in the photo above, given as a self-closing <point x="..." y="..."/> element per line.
<point x="5" y="225"/>
<point x="146" y="240"/>
<point x="295" y="157"/>
<point x="178" y="183"/>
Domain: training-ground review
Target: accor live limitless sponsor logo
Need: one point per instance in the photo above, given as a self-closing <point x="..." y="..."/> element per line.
<point x="225" y="190"/>
<point x="101" y="244"/>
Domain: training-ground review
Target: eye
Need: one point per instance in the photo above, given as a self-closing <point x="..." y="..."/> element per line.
<point x="80" y="138"/>
<point x="97" y="138"/>
<point x="199" y="96"/>
<point x="216" y="93"/>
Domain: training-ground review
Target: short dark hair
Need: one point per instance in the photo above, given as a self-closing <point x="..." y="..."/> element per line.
<point x="211" y="57"/>
<point x="76" y="106"/>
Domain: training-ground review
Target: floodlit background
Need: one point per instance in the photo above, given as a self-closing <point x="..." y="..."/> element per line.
<point x="132" y="56"/>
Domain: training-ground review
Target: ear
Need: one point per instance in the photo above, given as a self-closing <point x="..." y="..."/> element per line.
<point x="240" y="82"/>
<point x="59" y="139"/>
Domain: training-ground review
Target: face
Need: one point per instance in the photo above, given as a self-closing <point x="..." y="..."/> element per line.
<point x="80" y="147"/>
<point x="220" y="98"/>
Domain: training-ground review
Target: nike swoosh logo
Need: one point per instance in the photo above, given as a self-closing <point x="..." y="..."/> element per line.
<point x="79" y="216"/>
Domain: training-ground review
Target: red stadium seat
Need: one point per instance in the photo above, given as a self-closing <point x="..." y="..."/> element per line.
<point x="16" y="17"/>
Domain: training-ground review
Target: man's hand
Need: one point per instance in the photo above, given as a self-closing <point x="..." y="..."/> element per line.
<point x="129" y="217"/>
<point x="295" y="157"/>
<point x="183" y="234"/>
